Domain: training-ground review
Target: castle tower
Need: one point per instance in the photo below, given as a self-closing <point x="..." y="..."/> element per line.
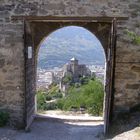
<point x="74" y="67"/>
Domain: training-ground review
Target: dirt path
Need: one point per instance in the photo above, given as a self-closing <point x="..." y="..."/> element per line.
<point x="67" y="115"/>
<point x="56" y="130"/>
<point x="63" y="128"/>
<point x="133" y="134"/>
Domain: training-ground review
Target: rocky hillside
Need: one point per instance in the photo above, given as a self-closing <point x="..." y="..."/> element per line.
<point x="63" y="44"/>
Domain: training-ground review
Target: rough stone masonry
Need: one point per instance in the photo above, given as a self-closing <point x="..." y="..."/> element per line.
<point x="12" y="68"/>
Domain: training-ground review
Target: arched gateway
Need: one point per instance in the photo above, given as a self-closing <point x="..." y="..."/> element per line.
<point x="36" y="30"/>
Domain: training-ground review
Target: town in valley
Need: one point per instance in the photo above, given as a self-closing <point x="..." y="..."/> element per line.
<point x="45" y="77"/>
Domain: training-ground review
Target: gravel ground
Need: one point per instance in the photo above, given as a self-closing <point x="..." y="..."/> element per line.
<point x="56" y="130"/>
<point x="133" y="134"/>
<point x="62" y="128"/>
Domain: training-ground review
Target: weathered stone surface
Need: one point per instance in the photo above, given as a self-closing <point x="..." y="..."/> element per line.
<point x="127" y="53"/>
<point x="125" y="75"/>
<point x="133" y="86"/>
<point x="4" y="14"/>
<point x="136" y="68"/>
<point x="6" y="7"/>
<point x="2" y="62"/>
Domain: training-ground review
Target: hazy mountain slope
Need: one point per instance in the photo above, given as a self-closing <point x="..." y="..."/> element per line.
<point x="63" y="44"/>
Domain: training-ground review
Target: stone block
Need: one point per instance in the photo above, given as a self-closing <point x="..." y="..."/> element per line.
<point x="7" y="7"/>
<point x="133" y="86"/>
<point x="136" y="68"/>
<point x="126" y="52"/>
<point x="4" y="14"/>
<point x="125" y="75"/>
<point x="2" y="63"/>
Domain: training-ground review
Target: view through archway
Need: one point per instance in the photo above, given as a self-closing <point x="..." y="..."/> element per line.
<point x="70" y="75"/>
<point x="35" y="34"/>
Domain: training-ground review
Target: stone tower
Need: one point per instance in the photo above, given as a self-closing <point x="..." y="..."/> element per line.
<point x="74" y="65"/>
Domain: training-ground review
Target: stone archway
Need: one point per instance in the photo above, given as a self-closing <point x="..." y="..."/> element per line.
<point x="37" y="29"/>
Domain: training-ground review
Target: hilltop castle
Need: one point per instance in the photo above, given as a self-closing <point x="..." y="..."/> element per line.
<point x="75" y="71"/>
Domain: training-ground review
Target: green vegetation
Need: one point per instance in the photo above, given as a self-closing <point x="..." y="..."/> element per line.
<point x="67" y="79"/>
<point x="54" y="92"/>
<point x="4" y="117"/>
<point x="41" y="100"/>
<point x="43" y="97"/>
<point x="88" y="95"/>
<point x="133" y="36"/>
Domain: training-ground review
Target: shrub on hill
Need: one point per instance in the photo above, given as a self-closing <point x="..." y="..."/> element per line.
<point x="41" y="100"/>
<point x="89" y="95"/>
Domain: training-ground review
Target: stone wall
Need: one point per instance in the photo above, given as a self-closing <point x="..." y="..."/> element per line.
<point x="12" y="78"/>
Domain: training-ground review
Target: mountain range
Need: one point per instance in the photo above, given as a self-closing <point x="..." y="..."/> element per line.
<point x="72" y="41"/>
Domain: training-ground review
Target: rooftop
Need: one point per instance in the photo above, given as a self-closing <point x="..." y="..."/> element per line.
<point x="74" y="59"/>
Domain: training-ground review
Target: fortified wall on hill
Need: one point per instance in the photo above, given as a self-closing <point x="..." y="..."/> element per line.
<point x="75" y="70"/>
